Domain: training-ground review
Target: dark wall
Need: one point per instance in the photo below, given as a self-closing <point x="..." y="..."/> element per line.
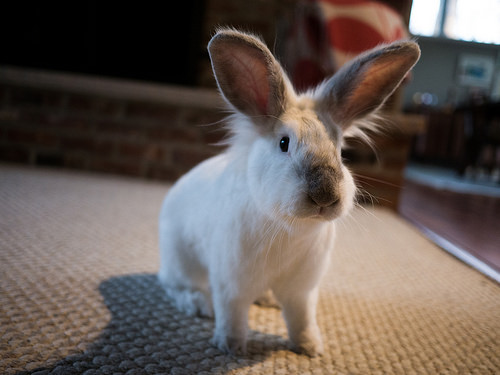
<point x="147" y="40"/>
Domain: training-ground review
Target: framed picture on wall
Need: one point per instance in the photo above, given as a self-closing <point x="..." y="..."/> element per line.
<point x="475" y="70"/>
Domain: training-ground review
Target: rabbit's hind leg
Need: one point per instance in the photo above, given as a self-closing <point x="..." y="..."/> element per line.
<point x="191" y="296"/>
<point x="190" y="301"/>
<point x="184" y="278"/>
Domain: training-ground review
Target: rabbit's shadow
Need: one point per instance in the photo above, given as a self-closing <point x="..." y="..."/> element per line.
<point x="147" y="334"/>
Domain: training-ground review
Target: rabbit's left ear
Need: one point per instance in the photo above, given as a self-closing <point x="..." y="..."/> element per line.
<point x="361" y="86"/>
<point x="248" y="75"/>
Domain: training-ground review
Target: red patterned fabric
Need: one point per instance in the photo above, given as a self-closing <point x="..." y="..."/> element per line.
<point x="325" y="34"/>
<point x="357" y="25"/>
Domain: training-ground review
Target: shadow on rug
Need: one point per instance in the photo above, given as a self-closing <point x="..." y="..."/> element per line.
<point x="147" y="335"/>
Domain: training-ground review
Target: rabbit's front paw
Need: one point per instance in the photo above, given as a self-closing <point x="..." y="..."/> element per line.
<point x="230" y="344"/>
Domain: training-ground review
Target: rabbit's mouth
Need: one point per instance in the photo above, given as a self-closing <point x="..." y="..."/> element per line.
<point x="330" y="212"/>
<point x="325" y="210"/>
<point x="311" y="210"/>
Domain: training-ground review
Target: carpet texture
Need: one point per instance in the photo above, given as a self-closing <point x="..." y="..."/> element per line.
<point x="78" y="256"/>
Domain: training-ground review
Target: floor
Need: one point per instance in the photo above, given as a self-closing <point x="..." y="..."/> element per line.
<point x="455" y="214"/>
<point x="79" y="294"/>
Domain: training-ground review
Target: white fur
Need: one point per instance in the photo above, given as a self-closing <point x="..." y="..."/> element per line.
<point x="242" y="223"/>
<point x="217" y="241"/>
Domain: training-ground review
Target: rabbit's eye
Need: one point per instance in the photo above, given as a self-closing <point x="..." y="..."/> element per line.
<point x="284" y="144"/>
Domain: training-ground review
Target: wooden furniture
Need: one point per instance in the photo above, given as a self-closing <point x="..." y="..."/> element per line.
<point x="466" y="138"/>
<point x="379" y="170"/>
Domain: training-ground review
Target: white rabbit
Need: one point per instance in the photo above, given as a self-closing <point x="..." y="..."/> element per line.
<point x="261" y="215"/>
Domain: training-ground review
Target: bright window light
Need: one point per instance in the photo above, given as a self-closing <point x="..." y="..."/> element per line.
<point x="425" y="17"/>
<point x="471" y="20"/>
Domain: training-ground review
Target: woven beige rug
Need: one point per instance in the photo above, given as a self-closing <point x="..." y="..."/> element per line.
<point x="78" y="254"/>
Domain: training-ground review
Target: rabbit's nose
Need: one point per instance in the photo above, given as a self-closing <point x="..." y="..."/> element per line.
<point x="322" y="185"/>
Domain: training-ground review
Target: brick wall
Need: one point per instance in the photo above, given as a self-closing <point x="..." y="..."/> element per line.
<point x="146" y="138"/>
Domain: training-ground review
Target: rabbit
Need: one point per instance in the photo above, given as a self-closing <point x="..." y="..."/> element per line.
<point x="261" y="215"/>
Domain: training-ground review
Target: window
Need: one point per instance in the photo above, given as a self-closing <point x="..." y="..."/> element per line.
<point x="471" y="20"/>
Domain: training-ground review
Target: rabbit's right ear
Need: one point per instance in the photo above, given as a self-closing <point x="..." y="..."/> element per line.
<point x="248" y="75"/>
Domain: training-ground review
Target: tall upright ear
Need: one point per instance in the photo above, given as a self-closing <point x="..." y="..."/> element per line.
<point x="248" y="75"/>
<point x="361" y="86"/>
